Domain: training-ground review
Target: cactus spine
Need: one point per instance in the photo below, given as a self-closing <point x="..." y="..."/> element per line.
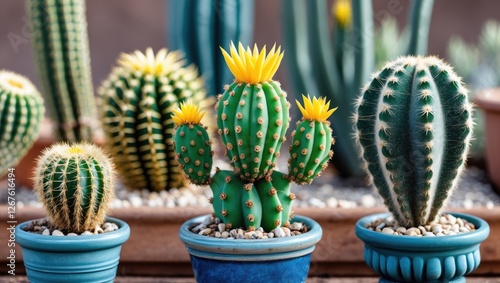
<point x="198" y="28"/>
<point x="137" y="101"/>
<point x="75" y="185"/>
<point x="252" y="116"/>
<point x="321" y="59"/>
<point x="60" y="47"/>
<point x="414" y="123"/>
<point x="21" y="114"/>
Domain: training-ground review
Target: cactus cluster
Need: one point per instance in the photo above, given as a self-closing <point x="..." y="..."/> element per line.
<point x="21" y="114"/>
<point x="253" y="117"/>
<point x="413" y="120"/>
<point x="75" y="185"/>
<point x="136" y="104"/>
<point x="198" y="28"/>
<point x="60" y="47"/>
<point x="338" y="61"/>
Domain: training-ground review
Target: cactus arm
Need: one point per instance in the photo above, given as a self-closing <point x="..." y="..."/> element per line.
<point x="271" y="205"/>
<point x="251" y="207"/>
<point x="227" y="190"/>
<point x="458" y="133"/>
<point x="321" y="51"/>
<point x="283" y="186"/>
<point x="297" y="39"/>
<point x="364" y="58"/>
<point x="419" y="23"/>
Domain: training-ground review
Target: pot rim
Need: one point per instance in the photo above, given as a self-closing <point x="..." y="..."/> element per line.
<point x="78" y="243"/>
<point x="484" y="99"/>
<point x="250" y="250"/>
<point x="402" y="242"/>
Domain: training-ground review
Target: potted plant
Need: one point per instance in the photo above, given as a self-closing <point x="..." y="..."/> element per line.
<point x="253" y="200"/>
<point x="75" y="185"/>
<point x="413" y="120"/>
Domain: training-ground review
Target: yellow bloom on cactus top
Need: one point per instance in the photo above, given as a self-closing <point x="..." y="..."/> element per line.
<point x="315" y="110"/>
<point x="149" y="63"/>
<point x="253" y="67"/>
<point x="188" y="113"/>
<point x="342" y="12"/>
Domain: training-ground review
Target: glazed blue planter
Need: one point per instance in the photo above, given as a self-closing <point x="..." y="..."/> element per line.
<point x="264" y="260"/>
<point x="77" y="259"/>
<point x="399" y="258"/>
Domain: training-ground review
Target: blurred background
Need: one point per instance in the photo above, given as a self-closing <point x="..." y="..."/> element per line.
<point x="116" y="26"/>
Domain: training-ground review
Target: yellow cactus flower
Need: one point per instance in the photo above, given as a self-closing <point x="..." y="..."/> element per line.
<point x="342" y="13"/>
<point x="149" y="63"/>
<point x="253" y="67"/>
<point x="315" y="110"/>
<point x="188" y="113"/>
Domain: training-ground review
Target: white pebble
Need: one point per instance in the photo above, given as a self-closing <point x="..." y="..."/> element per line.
<point x="490" y="205"/>
<point x="57" y="233"/>
<point x="315" y="202"/>
<point x="279" y="233"/>
<point x="437" y="229"/>
<point x="46" y="232"/>
<point x="287" y="231"/>
<point x="222" y="227"/>
<point x="368" y="201"/>
<point x="72" y="234"/>
<point x="86" y="233"/>
<point x="388" y="230"/>
<point x="135" y="201"/>
<point x="347" y="204"/>
<point x="98" y="230"/>
<point x="468" y="204"/>
<point x="332" y="202"/>
<point x="429" y="234"/>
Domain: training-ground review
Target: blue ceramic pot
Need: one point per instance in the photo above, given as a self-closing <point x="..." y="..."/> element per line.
<point x="399" y="258"/>
<point x="76" y="259"/>
<point x="264" y="260"/>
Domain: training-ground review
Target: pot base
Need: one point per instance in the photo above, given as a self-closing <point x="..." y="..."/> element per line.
<point x="458" y="280"/>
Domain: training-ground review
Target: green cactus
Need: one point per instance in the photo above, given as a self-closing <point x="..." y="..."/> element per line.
<point x="198" y="28"/>
<point x="136" y="104"/>
<point x="414" y="123"/>
<point x="252" y="116"/>
<point x="337" y="62"/>
<point x="60" y="47"/>
<point x="75" y="185"/>
<point x="21" y="114"/>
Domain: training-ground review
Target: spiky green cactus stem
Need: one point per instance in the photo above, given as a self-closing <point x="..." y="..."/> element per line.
<point x="414" y="123"/>
<point x="60" y="47"/>
<point x="75" y="185"/>
<point x="137" y="101"/>
<point x="21" y="114"/>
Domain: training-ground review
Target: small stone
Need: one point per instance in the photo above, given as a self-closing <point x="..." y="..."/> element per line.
<point x="368" y="200"/>
<point x="248" y="235"/>
<point x="460" y="222"/>
<point x="468" y="204"/>
<point x="287" y="231"/>
<point x="439" y="234"/>
<point x="401" y="230"/>
<point x="429" y="234"/>
<point x="332" y="202"/>
<point x="422" y="230"/>
<point x="57" y="233"/>
<point x="259" y="234"/>
<point x="380" y="226"/>
<point x="260" y="229"/>
<point x="72" y="234"/>
<point x="218" y="234"/>
<point x="490" y="205"/>
<point x="240" y="236"/>
<point x="208" y="220"/>
<point x="297" y="226"/>
<point x="217" y="221"/>
<point x="463" y="230"/>
<point x="451" y="219"/>
<point x="109" y="229"/>
<point x="105" y="225"/>
<point x="86" y="233"/>
<point x="221" y="227"/>
<point x="225" y="235"/>
<point x="205" y="232"/>
<point x="270" y="235"/>
<point x="411" y="233"/>
<point x="46" y="232"/>
<point x="347" y="204"/>
<point x="98" y="230"/>
<point x="279" y="233"/>
<point x="240" y="231"/>
<point x="233" y="233"/>
<point x="436" y="229"/>
<point x="388" y="230"/>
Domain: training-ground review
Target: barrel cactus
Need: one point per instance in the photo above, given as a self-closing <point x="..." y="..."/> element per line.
<point x="75" y="185"/>
<point x="252" y="117"/>
<point x="414" y="123"/>
<point x="136" y="104"/>
<point x="61" y="51"/>
<point x="21" y="114"/>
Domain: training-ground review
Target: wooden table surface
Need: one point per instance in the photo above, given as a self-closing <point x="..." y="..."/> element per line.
<point x="23" y="279"/>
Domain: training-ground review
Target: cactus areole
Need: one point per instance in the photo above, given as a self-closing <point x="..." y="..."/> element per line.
<point x="252" y="117"/>
<point x="414" y="123"/>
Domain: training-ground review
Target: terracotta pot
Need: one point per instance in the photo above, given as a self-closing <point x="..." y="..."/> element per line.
<point x="489" y="101"/>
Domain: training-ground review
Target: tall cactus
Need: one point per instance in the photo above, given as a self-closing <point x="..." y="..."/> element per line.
<point x="414" y="123"/>
<point x="337" y="62"/>
<point x="252" y="117"/>
<point x="75" y="185"/>
<point x="21" y="114"/>
<point x="198" y="28"/>
<point x="136" y="104"/>
<point x="60" y="47"/>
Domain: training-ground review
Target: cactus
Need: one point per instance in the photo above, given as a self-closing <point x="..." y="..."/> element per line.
<point x="21" y="114"/>
<point x="252" y="116"/>
<point x="60" y="47"/>
<point x="136" y="103"/>
<point x="75" y="185"/>
<point x="198" y="28"/>
<point x="414" y="123"/>
<point x="339" y="61"/>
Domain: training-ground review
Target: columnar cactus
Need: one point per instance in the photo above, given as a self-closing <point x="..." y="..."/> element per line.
<point x="338" y="61"/>
<point x="21" y="114"/>
<point x="252" y="116"/>
<point x="60" y="47"/>
<point x="75" y="185"/>
<point x="136" y="104"/>
<point x="198" y="28"/>
<point x="414" y="123"/>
